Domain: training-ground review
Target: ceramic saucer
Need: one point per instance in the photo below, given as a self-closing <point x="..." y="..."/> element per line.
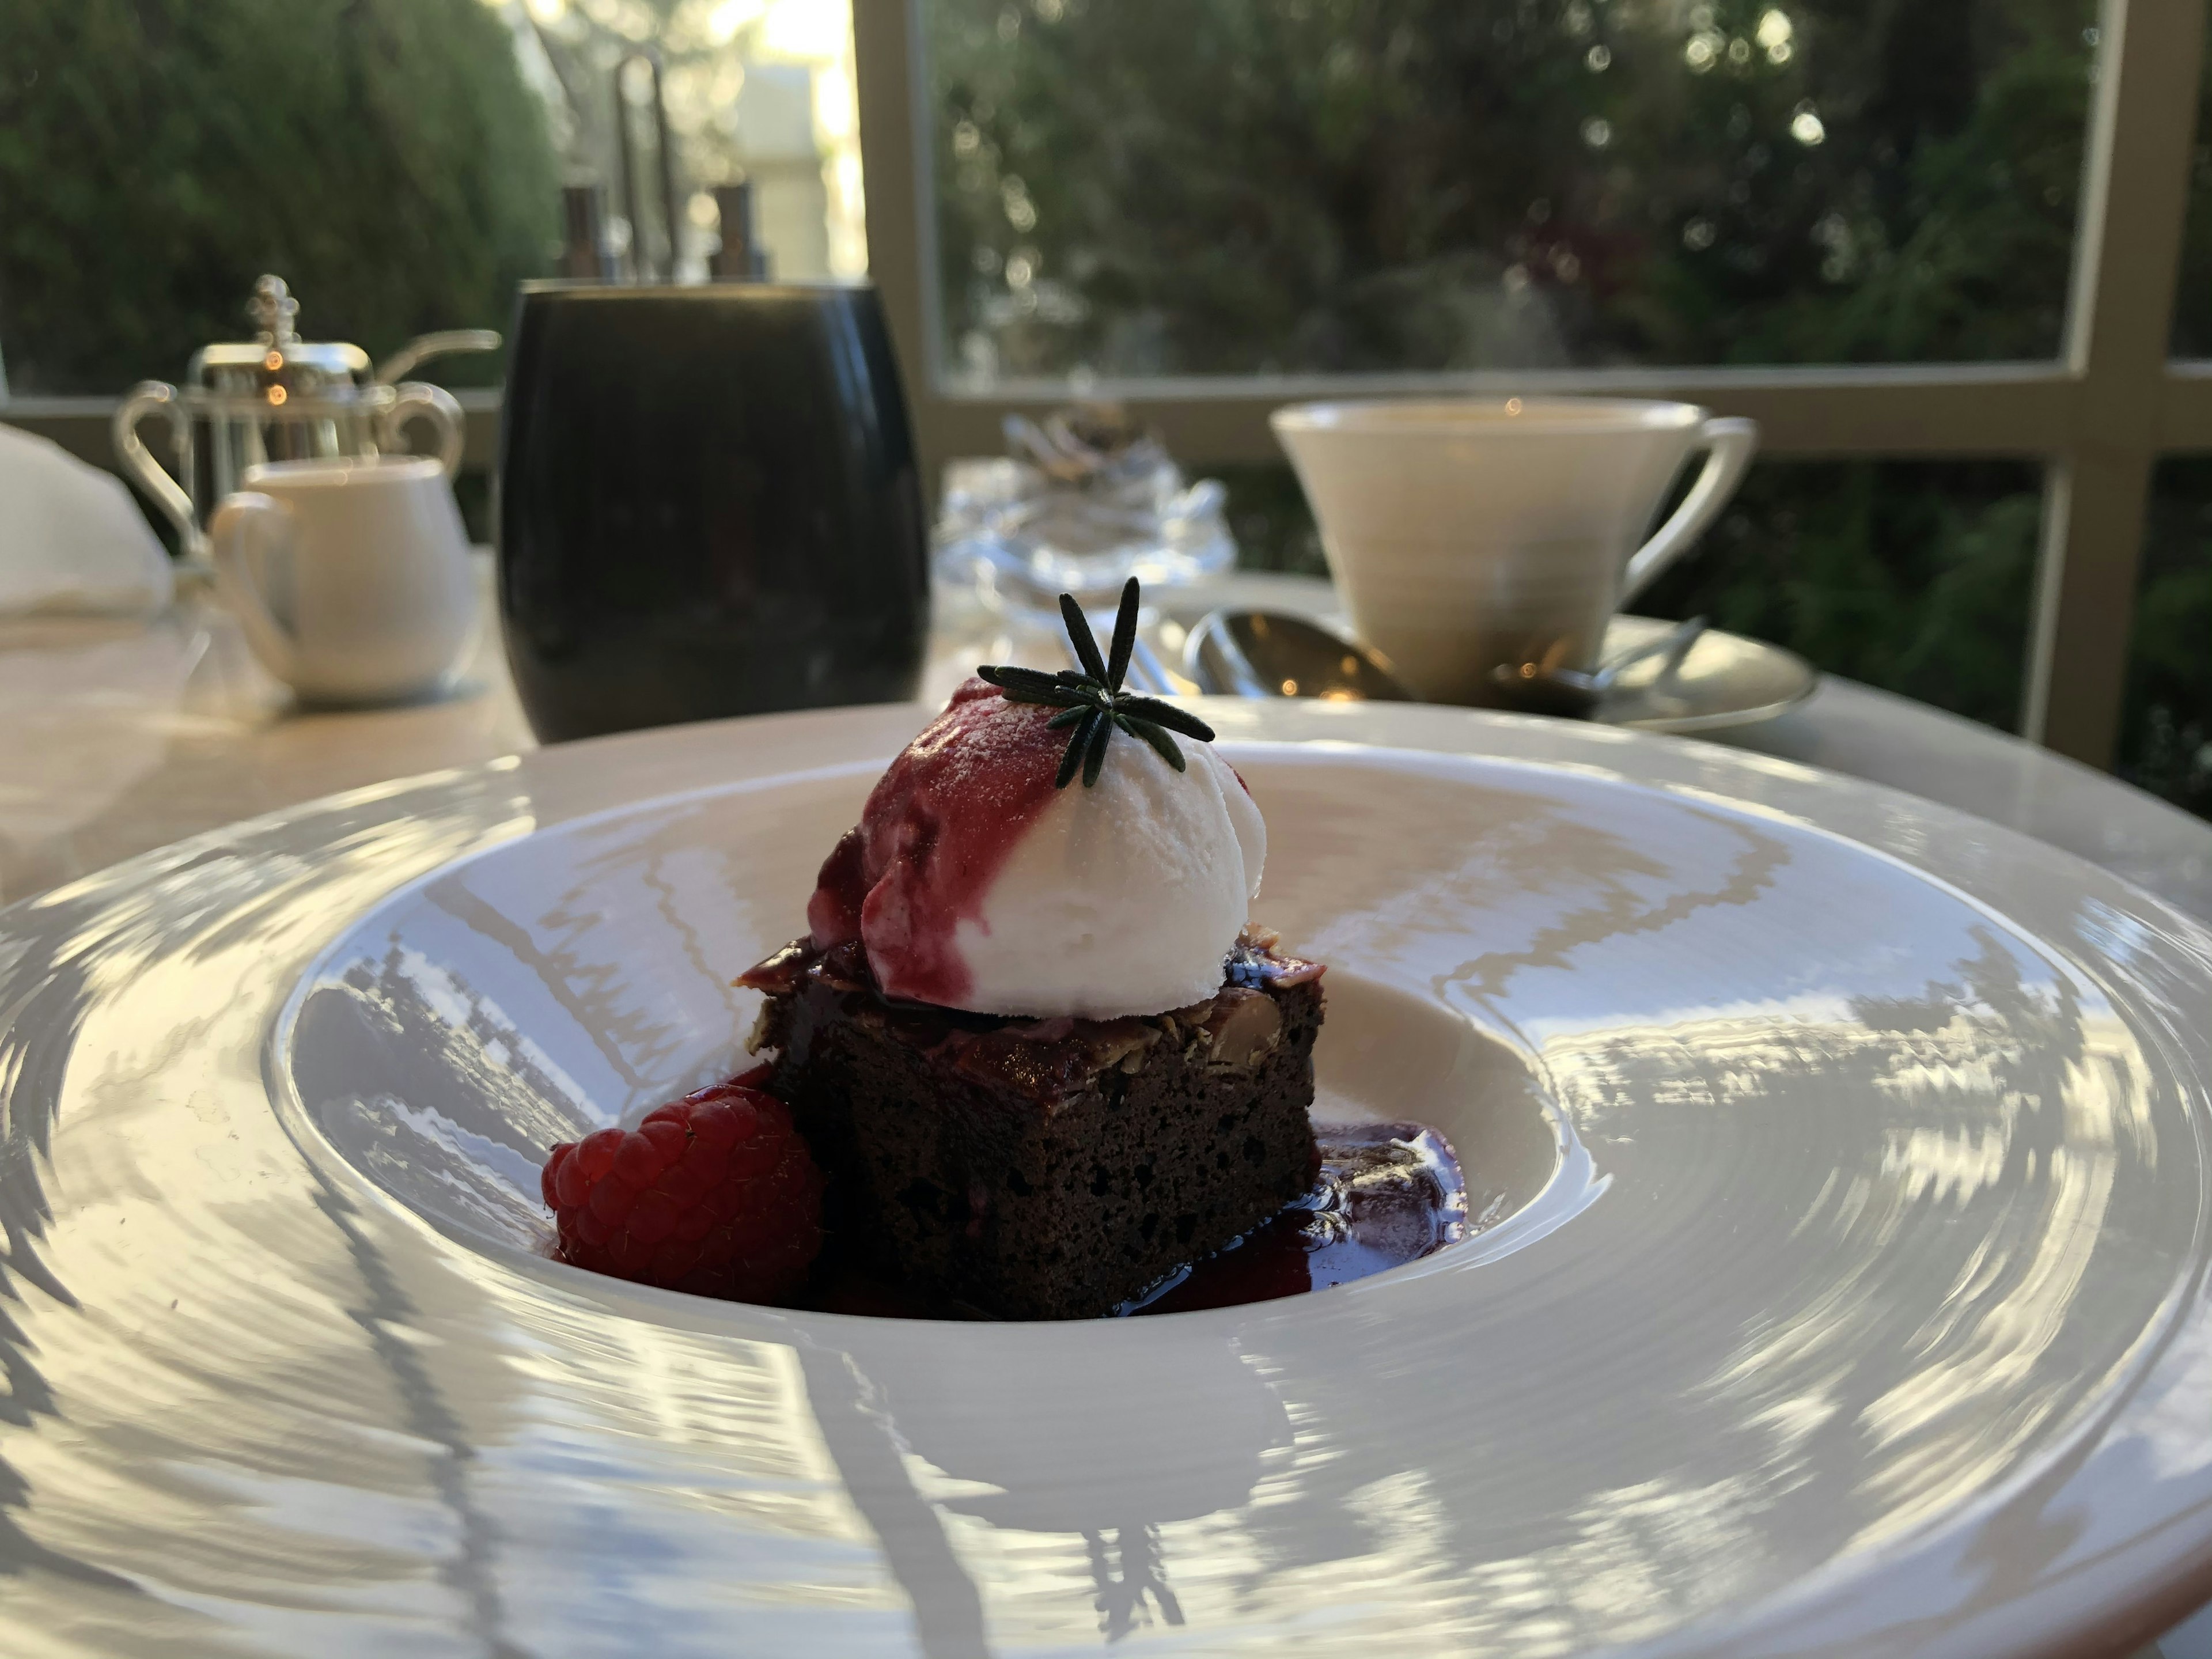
<point x="1725" y="681"/>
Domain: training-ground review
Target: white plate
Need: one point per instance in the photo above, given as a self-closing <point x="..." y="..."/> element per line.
<point x="1847" y="1296"/>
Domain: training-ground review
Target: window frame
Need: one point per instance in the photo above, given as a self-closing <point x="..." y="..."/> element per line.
<point x="2098" y="416"/>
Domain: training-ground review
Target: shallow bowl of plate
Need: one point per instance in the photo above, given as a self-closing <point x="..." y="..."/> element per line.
<point x="1840" y="1287"/>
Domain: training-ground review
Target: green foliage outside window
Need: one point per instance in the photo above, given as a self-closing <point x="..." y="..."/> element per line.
<point x="1914" y="576"/>
<point x="2167" y="737"/>
<point x="1254" y="187"/>
<point x="1152" y="187"/>
<point x="384" y="156"/>
<point x="1191" y="187"/>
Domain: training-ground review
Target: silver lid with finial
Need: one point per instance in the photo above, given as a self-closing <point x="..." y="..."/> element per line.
<point x="276" y="357"/>
<point x="279" y="397"/>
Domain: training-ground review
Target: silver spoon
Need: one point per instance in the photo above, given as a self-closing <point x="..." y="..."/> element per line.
<point x="1568" y="690"/>
<point x="1266" y="654"/>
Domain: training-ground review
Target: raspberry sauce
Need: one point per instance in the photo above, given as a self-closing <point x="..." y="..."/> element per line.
<point x="937" y="829"/>
<point x="1387" y="1193"/>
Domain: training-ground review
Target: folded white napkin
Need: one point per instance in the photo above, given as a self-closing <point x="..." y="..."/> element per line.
<point x="72" y="541"/>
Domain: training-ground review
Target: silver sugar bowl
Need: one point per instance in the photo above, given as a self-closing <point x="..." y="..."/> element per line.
<point x="278" y="397"/>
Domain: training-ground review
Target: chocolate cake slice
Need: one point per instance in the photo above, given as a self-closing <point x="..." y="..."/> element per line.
<point x="1051" y="1169"/>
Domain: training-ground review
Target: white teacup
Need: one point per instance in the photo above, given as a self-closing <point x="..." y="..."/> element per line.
<point x="1468" y="534"/>
<point x="349" y="576"/>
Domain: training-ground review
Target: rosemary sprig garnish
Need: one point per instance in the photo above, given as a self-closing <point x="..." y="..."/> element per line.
<point x="1091" y="699"/>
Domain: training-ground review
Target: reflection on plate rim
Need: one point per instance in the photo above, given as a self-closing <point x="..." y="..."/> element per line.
<point x="2163" y="1583"/>
<point x="1574" y="1184"/>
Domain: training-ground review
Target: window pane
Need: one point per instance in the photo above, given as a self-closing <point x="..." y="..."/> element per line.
<point x="1269" y="518"/>
<point x="2192" y="301"/>
<point x="2166" y="737"/>
<point x="398" y="161"/>
<point x="1912" y="576"/>
<point x="759" y="90"/>
<point x="1137" y="187"/>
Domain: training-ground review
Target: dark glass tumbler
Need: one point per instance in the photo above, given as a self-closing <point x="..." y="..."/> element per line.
<point x="708" y="505"/>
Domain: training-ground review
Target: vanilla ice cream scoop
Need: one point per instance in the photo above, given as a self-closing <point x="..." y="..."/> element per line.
<point x="975" y="881"/>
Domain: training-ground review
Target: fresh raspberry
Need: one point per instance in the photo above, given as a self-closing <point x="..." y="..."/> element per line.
<point x="715" y="1194"/>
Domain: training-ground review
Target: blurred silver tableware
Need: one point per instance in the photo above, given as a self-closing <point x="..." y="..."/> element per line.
<point x="1264" y="654"/>
<point x="1080" y="503"/>
<point x="278" y="397"/>
<point x="1542" y="690"/>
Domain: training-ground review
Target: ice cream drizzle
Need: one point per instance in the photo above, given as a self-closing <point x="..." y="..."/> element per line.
<point x="1092" y="700"/>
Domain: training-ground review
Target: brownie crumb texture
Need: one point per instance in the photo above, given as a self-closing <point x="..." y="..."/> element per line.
<point x="1050" y="1169"/>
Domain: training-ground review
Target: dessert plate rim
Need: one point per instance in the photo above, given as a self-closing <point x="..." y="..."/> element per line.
<point x="2160" y="1557"/>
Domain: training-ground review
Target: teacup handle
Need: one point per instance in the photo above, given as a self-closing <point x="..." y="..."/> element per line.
<point x="1732" y="443"/>
<point x="444" y="409"/>
<point x="250" y="517"/>
<point x="146" y="397"/>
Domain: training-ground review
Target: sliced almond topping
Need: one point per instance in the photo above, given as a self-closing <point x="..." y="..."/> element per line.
<point x="1117" y="1041"/>
<point x="1246" y="1026"/>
